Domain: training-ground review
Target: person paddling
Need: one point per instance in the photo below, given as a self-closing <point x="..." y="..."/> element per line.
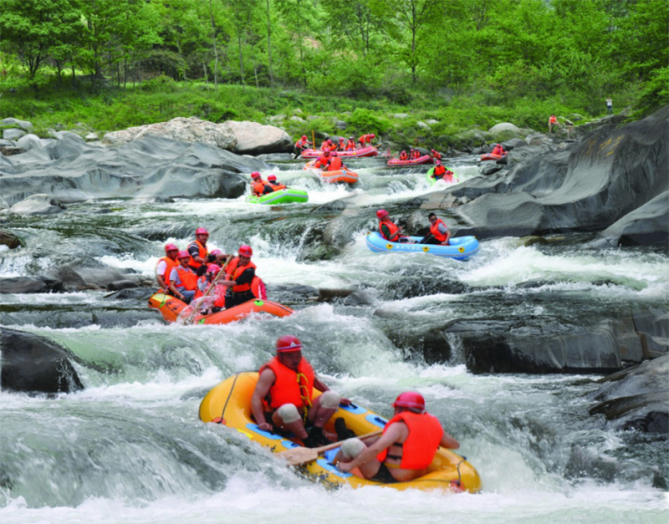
<point x="350" y="145"/>
<point x="183" y="280"/>
<point x="165" y="266"/>
<point x="441" y="173"/>
<point x="388" y="229"/>
<point x="406" y="448"/>
<point x="404" y="156"/>
<point x="282" y="399"/>
<point x="439" y="233"/>
<point x="272" y="181"/>
<point x="259" y="187"/>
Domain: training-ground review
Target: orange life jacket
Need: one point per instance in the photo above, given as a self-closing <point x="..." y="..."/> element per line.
<point x="439" y="170"/>
<point x="187" y="277"/>
<point x="437" y="155"/>
<point x="235" y="271"/>
<point x="394" y="230"/>
<point x="171" y="264"/>
<point x="259" y="187"/>
<point x="301" y="143"/>
<point x="499" y="150"/>
<point x="289" y="387"/>
<point x="364" y="139"/>
<point x="350" y="145"/>
<point x="322" y="161"/>
<point x="404" y="156"/>
<point x="335" y="164"/>
<point x="277" y="186"/>
<point x="422" y="444"/>
<point x="202" y="253"/>
<point x="434" y="229"/>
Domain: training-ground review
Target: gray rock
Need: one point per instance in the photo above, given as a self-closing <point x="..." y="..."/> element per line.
<point x="277" y="118"/>
<point x="255" y="139"/>
<point x="505" y="126"/>
<point x="15" y="285"/>
<point x="432" y="121"/>
<point x="422" y="125"/>
<point x="10" y="239"/>
<point x="537" y="139"/>
<point x="297" y="119"/>
<point x="339" y="124"/>
<point x="401" y="115"/>
<point x="122" y="284"/>
<point x="491" y="169"/>
<point x="40" y="204"/>
<point x="13" y="134"/>
<point x="312" y="117"/>
<point x="23" y="124"/>
<point x="514" y="143"/>
<point x="91" y="136"/>
<point x="29" y="142"/>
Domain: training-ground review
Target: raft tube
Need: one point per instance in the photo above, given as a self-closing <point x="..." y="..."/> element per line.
<point x="229" y="403"/>
<point x="431" y="180"/>
<point x="170" y="307"/>
<point x="490" y="156"/>
<point x="341" y="176"/>
<point x="282" y="196"/>
<point x="396" y="162"/>
<point x="459" y="248"/>
<point x="358" y="153"/>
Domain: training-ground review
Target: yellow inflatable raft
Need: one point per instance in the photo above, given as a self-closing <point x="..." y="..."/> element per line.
<point x="229" y="403"/>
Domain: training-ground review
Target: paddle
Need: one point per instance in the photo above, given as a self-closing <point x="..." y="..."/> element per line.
<point x="297" y="456"/>
<point x="194" y="307"/>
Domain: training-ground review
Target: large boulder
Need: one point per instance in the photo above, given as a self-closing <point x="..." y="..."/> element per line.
<point x="504" y="131"/>
<point x="71" y="170"/>
<point x="32" y="364"/>
<point x="190" y="129"/>
<point x="40" y="204"/>
<point x="15" y="122"/>
<point x="256" y="139"/>
<point x="637" y="398"/>
<point x="14" y="285"/>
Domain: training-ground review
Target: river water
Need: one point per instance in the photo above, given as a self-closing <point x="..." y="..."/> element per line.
<point x="130" y="447"/>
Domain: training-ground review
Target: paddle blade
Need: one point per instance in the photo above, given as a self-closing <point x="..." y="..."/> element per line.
<point x="297" y="456"/>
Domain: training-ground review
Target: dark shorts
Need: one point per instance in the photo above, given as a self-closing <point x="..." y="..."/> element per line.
<point x="383" y="475"/>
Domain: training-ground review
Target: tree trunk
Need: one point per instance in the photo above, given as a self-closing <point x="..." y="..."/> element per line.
<point x="241" y="58"/>
<point x="299" y="35"/>
<point x="213" y="35"/>
<point x="269" y="47"/>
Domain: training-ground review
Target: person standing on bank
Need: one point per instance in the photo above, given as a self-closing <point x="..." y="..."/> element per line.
<point x="609" y="106"/>
<point x="439" y="233"/>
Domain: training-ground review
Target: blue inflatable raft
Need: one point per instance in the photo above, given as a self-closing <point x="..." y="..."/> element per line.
<point x="460" y="248"/>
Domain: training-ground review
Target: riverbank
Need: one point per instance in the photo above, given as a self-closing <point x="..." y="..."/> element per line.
<point x="439" y="120"/>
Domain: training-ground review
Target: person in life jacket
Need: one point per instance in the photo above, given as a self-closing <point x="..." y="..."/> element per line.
<point x="302" y="144"/>
<point x="498" y="150"/>
<point x="165" y="266"/>
<point x="258" y="186"/>
<point x="404" y="156"/>
<point x="436" y="154"/>
<point x="341" y="146"/>
<point x="552" y="122"/>
<point x="271" y="180"/>
<point x="183" y="280"/>
<point x="242" y="283"/>
<point x="350" y="145"/>
<point x="323" y="161"/>
<point x="335" y="162"/>
<point x="439" y="233"/>
<point x="441" y="173"/>
<point x="366" y="140"/>
<point x="283" y="396"/>
<point x="388" y="229"/>
<point x="406" y="448"/>
<point x="198" y="248"/>
<point x="415" y="154"/>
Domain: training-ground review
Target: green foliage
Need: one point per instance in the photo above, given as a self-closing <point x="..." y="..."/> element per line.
<point x="656" y="93"/>
<point x="365" y="121"/>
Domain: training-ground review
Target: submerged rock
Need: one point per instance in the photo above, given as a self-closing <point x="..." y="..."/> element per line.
<point x="32" y="364"/>
<point x="40" y="204"/>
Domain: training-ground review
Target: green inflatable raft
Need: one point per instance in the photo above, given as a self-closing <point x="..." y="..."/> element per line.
<point x="282" y="196"/>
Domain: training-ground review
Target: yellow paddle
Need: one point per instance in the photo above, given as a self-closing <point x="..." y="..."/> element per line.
<point x="194" y="308"/>
<point x="297" y="456"/>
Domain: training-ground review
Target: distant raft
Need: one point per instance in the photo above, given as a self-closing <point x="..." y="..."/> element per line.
<point x="171" y="307"/>
<point x="459" y="248"/>
<point x="340" y="176"/>
<point x="229" y="404"/>
<point x="282" y="196"/>
<point x="396" y="162"/>
<point x="357" y="153"/>
<point x="431" y="180"/>
<point x="490" y="156"/>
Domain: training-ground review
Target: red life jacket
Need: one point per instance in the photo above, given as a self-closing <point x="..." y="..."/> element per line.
<point x="350" y="145"/>
<point x="260" y="187"/>
<point x="394" y="230"/>
<point x="439" y="170"/>
<point x="276" y="187"/>
<point x="499" y="150"/>
<point x="322" y="161"/>
<point x="437" y="155"/>
<point x="288" y="388"/>
<point x="202" y="253"/>
<point x="404" y="156"/>
<point x="258" y="288"/>
<point x="301" y="143"/>
<point x="421" y="445"/>
<point x="552" y="120"/>
<point x="235" y="271"/>
<point x="171" y="264"/>
<point x="434" y="229"/>
<point x="187" y="277"/>
<point x="335" y="164"/>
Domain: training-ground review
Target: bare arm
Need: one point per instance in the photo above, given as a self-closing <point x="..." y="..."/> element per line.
<point x="322" y="386"/>
<point x="393" y="434"/>
<point x="265" y="381"/>
<point x="448" y="442"/>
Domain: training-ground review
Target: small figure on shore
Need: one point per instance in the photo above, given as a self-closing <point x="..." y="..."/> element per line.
<point x="552" y="122"/>
<point x="609" y="106"/>
<point x="570" y="127"/>
<point x="302" y="144"/>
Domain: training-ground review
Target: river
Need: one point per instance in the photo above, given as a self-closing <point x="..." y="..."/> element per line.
<point x="130" y="446"/>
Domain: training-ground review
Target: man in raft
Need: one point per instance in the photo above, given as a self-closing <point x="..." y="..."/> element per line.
<point x="302" y="144"/>
<point x="498" y="150"/>
<point x="404" y="156"/>
<point x="198" y="249"/>
<point x="242" y="283"/>
<point x="441" y="173"/>
<point x="272" y="181"/>
<point x="323" y="161"/>
<point x="388" y="229"/>
<point x="439" y="233"/>
<point x="350" y="145"/>
<point x="165" y="266"/>
<point x="366" y="140"/>
<point x="282" y="397"/>
<point x="183" y="280"/>
<point x="435" y="154"/>
<point x="258" y="186"/>
<point x="406" y="448"/>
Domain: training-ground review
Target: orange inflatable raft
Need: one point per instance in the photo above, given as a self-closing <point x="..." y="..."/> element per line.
<point x="340" y="176"/>
<point x="170" y="307"/>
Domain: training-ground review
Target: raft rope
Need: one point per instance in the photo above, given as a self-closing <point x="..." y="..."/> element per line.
<point x="221" y="420"/>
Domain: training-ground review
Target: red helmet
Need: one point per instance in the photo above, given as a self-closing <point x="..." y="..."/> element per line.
<point x="183" y="254"/>
<point x="410" y="400"/>
<point x="213" y="268"/>
<point x="329" y="140"/>
<point x="245" y="250"/>
<point x="255" y="175"/>
<point x="171" y="247"/>
<point x="304" y="137"/>
<point x="215" y="252"/>
<point x="438" y="162"/>
<point x="372" y="135"/>
<point x="334" y="153"/>
<point x="288" y="343"/>
<point x="326" y="153"/>
<point x="271" y="178"/>
<point x="201" y="231"/>
<point x="381" y="213"/>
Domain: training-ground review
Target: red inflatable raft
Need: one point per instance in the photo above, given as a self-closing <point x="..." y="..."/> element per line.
<point x="396" y="162"/>
<point x="357" y="153"/>
<point x="490" y="156"/>
<point x="170" y="307"/>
